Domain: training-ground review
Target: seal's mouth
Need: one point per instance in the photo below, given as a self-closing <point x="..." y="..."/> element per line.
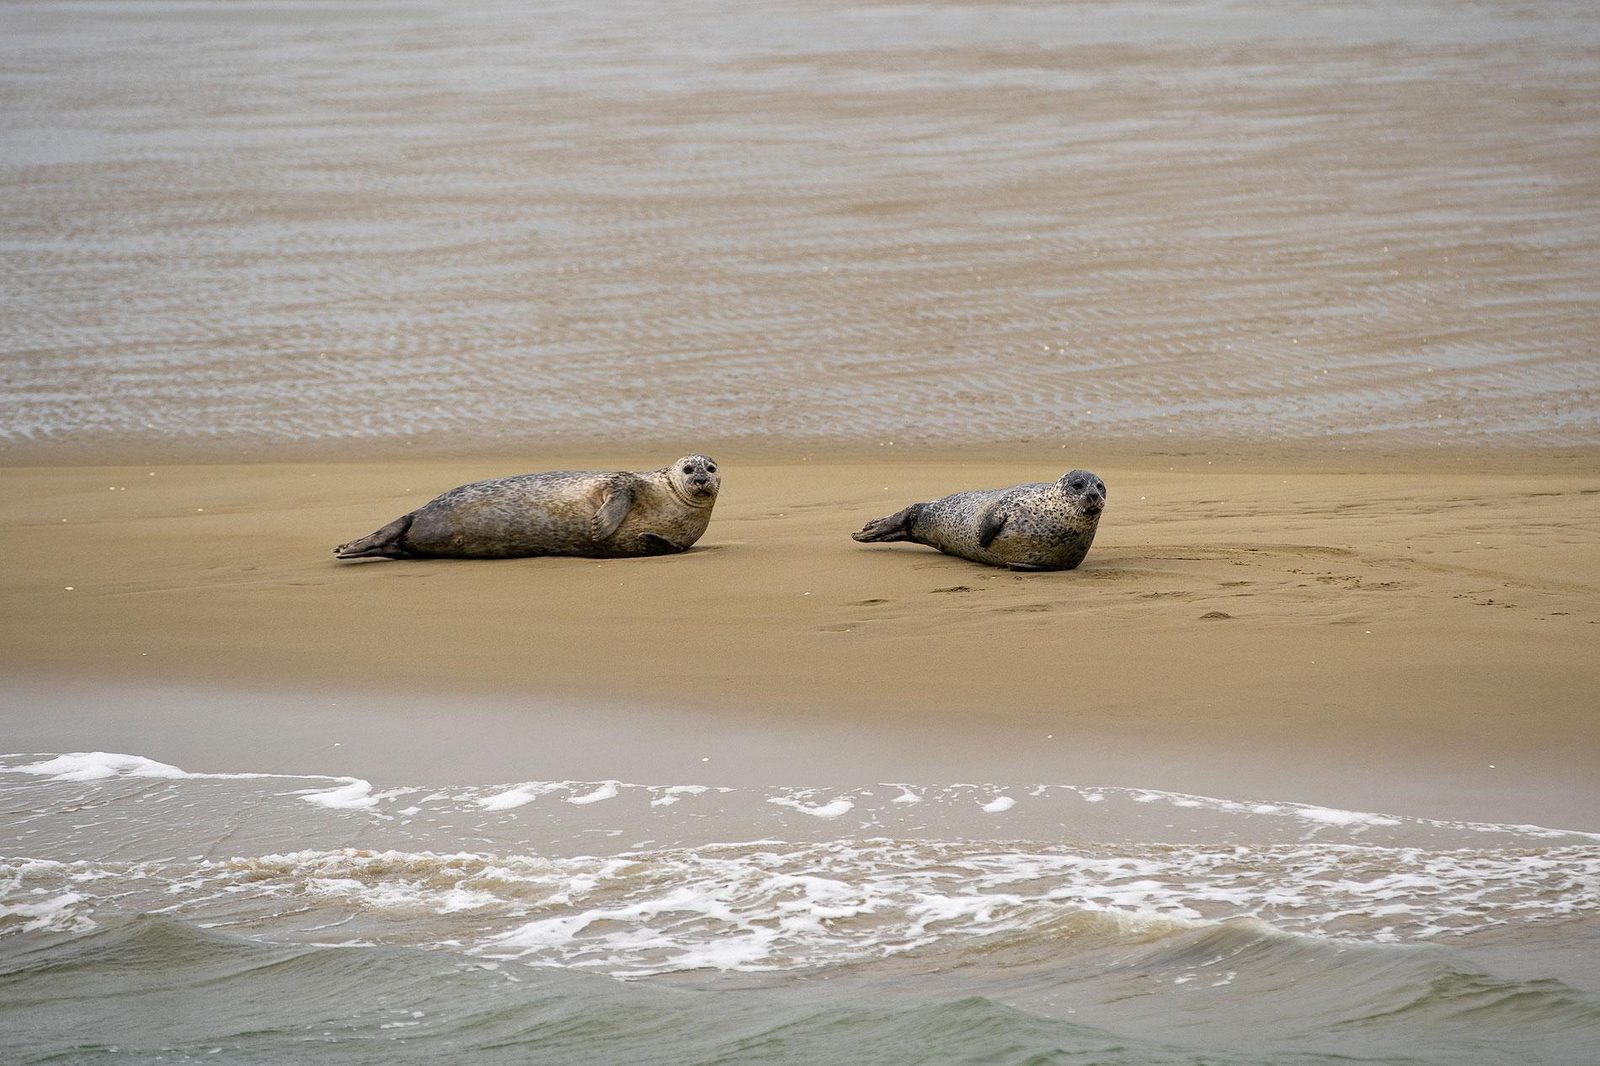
<point x="1091" y="505"/>
<point x="698" y="492"/>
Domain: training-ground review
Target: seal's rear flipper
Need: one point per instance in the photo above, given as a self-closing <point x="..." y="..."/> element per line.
<point x="386" y="543"/>
<point x="896" y="527"/>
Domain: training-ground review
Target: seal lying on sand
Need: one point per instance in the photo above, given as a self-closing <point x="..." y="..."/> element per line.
<point x="601" y="515"/>
<point x="1041" y="526"/>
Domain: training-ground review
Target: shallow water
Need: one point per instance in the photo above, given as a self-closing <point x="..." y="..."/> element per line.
<point x="296" y="225"/>
<point x="167" y="912"/>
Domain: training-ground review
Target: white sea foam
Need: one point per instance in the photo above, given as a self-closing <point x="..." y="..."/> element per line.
<point x="776" y="905"/>
<point x="871" y="807"/>
<point x="666" y="797"/>
<point x="1333" y="816"/>
<point x="833" y="809"/>
<point x="354" y="793"/>
<point x="517" y="796"/>
<point x="771" y="903"/>
<point x="102" y="765"/>
<point x="97" y="765"/>
<point x="41" y="895"/>
<point x="604" y="791"/>
<point x="62" y="913"/>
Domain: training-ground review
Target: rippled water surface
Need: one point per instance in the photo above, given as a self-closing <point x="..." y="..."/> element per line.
<point x="334" y="916"/>
<point x="465" y="224"/>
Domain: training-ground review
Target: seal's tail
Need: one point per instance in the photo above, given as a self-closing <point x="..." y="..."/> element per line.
<point x="386" y="543"/>
<point x="896" y="527"/>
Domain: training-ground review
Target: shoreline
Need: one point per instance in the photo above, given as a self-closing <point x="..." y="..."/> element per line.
<point x="1330" y="455"/>
<point x="392" y="738"/>
<point x="1392" y="634"/>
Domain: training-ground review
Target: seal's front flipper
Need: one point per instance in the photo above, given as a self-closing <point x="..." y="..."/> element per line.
<point x="613" y="509"/>
<point x="387" y="543"/>
<point x="990" y="525"/>
<point x="654" y="545"/>
<point x="896" y="527"/>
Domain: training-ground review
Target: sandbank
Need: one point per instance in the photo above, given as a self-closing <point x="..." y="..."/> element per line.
<point x="1407" y="631"/>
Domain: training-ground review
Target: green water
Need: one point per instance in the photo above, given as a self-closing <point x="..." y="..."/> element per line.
<point x="160" y="990"/>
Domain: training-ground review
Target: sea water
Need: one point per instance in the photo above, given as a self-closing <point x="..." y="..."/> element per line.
<point x="338" y="224"/>
<point x="170" y="914"/>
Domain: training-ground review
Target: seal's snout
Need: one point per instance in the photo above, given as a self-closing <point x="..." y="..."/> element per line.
<point x="695" y="477"/>
<point x="1086" y="492"/>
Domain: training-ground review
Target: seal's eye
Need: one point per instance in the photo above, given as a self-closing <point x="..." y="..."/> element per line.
<point x="1101" y="485"/>
<point x="712" y="469"/>
<point x="688" y="469"/>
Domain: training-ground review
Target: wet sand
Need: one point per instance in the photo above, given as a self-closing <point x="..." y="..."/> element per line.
<point x="1407" y="633"/>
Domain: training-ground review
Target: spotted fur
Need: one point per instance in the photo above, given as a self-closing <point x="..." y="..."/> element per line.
<point x="1039" y="526"/>
<point x="601" y="515"/>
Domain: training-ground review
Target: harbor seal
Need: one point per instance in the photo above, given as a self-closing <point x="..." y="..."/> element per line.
<point x="1046" y="525"/>
<point x="601" y="515"/>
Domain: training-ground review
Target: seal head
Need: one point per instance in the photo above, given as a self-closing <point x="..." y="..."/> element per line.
<point x="694" y="480"/>
<point x="1085" y="493"/>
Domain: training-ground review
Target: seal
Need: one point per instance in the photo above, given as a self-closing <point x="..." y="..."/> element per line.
<point x="600" y="515"/>
<point x="1045" y="525"/>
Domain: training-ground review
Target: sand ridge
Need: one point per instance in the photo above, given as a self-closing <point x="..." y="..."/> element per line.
<point x="1441" y="617"/>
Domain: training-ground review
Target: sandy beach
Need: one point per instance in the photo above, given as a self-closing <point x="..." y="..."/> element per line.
<point x="1409" y="631"/>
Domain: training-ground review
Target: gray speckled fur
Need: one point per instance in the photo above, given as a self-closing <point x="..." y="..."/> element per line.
<point x="558" y="513"/>
<point x="1042" y="526"/>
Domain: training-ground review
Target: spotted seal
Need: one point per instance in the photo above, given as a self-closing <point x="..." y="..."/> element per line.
<point x="1046" y="525"/>
<point x="602" y="515"/>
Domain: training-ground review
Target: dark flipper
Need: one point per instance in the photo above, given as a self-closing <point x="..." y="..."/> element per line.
<point x="387" y="543"/>
<point x="990" y="525"/>
<point x="618" y="499"/>
<point x="896" y="527"/>
<point x="654" y="545"/>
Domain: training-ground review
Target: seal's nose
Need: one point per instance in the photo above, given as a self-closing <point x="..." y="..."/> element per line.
<point x="700" y="482"/>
